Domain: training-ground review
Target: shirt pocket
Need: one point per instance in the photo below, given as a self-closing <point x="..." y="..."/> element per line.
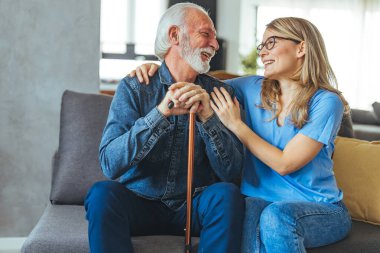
<point x="162" y="149"/>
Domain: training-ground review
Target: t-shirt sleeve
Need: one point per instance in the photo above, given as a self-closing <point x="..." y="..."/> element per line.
<point x="244" y="85"/>
<point x="237" y="88"/>
<point x="325" y="116"/>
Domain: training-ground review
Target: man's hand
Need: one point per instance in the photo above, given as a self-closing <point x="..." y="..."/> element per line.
<point x="187" y="97"/>
<point x="144" y="71"/>
<point x="177" y="109"/>
<point x="193" y="97"/>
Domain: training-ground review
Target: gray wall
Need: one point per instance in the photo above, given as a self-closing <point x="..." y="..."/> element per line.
<point x="46" y="46"/>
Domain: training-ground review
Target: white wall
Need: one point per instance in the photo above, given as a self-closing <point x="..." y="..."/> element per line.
<point x="46" y="46"/>
<point x="228" y="22"/>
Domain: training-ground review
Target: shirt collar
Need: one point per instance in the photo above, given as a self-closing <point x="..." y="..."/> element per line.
<point x="166" y="77"/>
<point x="164" y="74"/>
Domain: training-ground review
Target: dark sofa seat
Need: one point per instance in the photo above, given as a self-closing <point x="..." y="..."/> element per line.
<point x="363" y="238"/>
<point x="63" y="227"/>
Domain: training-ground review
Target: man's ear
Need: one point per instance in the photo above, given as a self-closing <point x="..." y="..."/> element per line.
<point x="174" y="35"/>
<point x="301" y="49"/>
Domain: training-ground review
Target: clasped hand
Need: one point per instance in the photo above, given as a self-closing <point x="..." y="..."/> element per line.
<point x="187" y="97"/>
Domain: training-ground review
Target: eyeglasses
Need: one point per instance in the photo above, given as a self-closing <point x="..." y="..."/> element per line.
<point x="271" y="41"/>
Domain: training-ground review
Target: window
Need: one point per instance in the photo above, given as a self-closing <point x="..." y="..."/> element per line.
<point x="349" y="31"/>
<point x="128" y="29"/>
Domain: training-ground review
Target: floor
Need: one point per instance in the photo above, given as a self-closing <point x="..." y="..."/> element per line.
<point x="11" y="244"/>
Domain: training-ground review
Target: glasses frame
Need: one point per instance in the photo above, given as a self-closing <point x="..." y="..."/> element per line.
<point x="265" y="44"/>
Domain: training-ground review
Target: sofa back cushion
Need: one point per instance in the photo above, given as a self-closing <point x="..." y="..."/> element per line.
<point x="76" y="165"/>
<point x="346" y="129"/>
<point x="376" y="111"/>
<point x="357" y="171"/>
<point x="363" y="117"/>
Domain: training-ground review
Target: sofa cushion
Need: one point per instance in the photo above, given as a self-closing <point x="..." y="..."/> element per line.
<point x="346" y="129"/>
<point x="76" y="166"/>
<point x="363" y="237"/>
<point x="367" y="132"/>
<point x="357" y="170"/>
<point x="363" y="117"/>
<point x="63" y="229"/>
<point x="376" y="110"/>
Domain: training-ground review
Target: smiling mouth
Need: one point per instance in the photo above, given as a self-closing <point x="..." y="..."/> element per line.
<point x="206" y="55"/>
<point x="268" y="62"/>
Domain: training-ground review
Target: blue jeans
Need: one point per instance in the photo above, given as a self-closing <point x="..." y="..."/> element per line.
<point x="114" y="214"/>
<point x="289" y="227"/>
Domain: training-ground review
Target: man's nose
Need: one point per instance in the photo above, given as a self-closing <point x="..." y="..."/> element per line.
<point x="214" y="44"/>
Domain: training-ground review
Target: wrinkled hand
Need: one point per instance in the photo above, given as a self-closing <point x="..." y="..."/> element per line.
<point x="228" y="110"/>
<point x="187" y="97"/>
<point x="178" y="108"/>
<point x="194" y="97"/>
<point x="144" y="71"/>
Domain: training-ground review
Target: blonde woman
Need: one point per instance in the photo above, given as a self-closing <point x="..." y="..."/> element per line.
<point x="293" y="115"/>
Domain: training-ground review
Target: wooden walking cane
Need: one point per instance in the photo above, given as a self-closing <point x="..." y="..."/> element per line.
<point x="190" y="166"/>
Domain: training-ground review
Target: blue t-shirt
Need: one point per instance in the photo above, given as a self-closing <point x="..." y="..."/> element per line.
<point x="315" y="181"/>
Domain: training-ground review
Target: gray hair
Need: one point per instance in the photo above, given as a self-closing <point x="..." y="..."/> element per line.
<point x="174" y="16"/>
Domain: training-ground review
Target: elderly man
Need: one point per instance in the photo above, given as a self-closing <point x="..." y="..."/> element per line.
<point x="144" y="145"/>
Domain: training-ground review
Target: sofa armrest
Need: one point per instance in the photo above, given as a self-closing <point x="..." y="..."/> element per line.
<point x="363" y="117"/>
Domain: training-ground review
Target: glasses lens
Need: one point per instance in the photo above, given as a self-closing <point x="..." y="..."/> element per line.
<point x="270" y="43"/>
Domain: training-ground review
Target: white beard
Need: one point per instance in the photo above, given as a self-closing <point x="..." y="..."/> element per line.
<point x="194" y="56"/>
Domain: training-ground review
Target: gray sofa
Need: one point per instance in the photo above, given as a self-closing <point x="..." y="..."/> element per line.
<point x="366" y="124"/>
<point x="63" y="227"/>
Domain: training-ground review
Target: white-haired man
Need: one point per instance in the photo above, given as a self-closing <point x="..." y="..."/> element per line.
<point x="144" y="144"/>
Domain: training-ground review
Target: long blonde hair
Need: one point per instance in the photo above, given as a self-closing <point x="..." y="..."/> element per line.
<point x="315" y="72"/>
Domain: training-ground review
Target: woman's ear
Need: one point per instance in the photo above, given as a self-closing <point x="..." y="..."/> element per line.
<point x="301" y="49"/>
<point x="174" y="35"/>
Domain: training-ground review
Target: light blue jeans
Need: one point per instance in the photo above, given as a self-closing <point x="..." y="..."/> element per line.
<point x="291" y="226"/>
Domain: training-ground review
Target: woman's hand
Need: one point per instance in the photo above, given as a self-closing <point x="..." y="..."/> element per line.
<point x="144" y="71"/>
<point x="228" y="110"/>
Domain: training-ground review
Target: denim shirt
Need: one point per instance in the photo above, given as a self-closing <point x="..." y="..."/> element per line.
<point x="148" y="152"/>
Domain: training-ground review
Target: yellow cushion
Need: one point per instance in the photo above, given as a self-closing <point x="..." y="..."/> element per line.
<point x="357" y="171"/>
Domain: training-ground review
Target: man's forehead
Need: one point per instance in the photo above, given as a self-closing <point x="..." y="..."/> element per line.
<point x="199" y="20"/>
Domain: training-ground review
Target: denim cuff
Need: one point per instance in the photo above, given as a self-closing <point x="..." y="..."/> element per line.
<point x="155" y="119"/>
<point x="212" y="126"/>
